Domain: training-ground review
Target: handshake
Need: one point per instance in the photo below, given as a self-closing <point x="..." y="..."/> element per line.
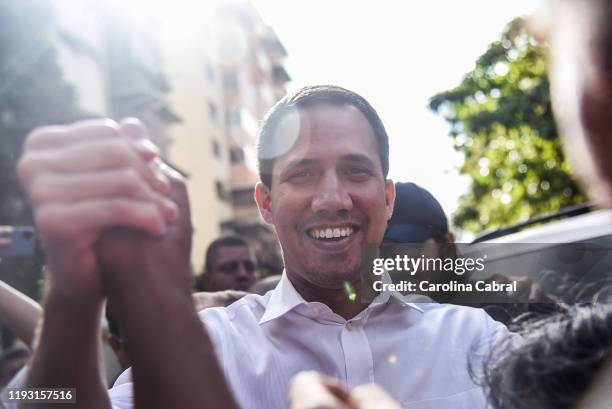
<point x="105" y="205"/>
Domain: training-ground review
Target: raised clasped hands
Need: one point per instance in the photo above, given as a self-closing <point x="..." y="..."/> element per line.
<point x="83" y="179"/>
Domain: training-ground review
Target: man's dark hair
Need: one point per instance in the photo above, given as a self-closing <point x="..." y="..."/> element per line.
<point x="554" y="363"/>
<point x="308" y="97"/>
<point x="224" y="241"/>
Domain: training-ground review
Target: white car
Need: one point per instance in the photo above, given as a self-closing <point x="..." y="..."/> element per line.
<point x="570" y="259"/>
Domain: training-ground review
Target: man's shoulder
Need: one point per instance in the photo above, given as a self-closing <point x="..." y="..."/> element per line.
<point x="459" y="318"/>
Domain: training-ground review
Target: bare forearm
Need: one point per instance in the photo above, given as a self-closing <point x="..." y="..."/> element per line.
<point x="19" y="313"/>
<point x="173" y="357"/>
<point x="67" y="355"/>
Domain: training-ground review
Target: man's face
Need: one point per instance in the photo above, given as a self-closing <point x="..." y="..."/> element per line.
<point x="234" y="268"/>
<point x="328" y="198"/>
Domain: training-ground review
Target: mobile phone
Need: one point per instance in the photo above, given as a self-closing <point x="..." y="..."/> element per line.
<point x="23" y="242"/>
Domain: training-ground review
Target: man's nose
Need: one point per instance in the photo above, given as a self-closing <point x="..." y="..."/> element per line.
<point x="242" y="271"/>
<point x="331" y="195"/>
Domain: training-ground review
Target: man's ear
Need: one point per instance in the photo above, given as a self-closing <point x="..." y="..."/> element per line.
<point x="389" y="197"/>
<point x="263" y="199"/>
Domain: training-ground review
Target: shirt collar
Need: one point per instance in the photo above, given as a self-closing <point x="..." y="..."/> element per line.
<point x="285" y="297"/>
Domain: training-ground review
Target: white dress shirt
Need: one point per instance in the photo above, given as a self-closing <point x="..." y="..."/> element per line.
<point x="418" y="352"/>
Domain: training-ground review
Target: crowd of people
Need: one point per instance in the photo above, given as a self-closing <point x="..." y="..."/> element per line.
<point x="317" y="336"/>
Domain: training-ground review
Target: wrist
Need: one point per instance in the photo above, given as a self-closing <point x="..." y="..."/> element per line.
<point x="57" y="303"/>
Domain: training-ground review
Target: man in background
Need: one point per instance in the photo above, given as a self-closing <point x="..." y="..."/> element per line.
<point x="230" y="265"/>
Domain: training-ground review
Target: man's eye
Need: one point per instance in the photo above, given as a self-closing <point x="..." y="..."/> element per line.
<point x="358" y="171"/>
<point x="302" y="174"/>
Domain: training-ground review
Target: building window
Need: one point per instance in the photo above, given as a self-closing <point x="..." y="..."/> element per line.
<point x="232" y="117"/>
<point x="221" y="192"/>
<point x="216" y="149"/>
<point x="243" y="197"/>
<point x="213" y="112"/>
<point x="236" y="155"/>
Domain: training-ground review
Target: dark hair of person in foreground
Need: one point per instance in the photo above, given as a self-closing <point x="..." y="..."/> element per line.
<point x="554" y="363"/>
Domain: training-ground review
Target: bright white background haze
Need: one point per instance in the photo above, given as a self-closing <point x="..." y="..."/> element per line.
<point x="397" y="54"/>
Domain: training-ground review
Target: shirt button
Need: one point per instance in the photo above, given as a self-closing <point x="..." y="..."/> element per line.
<point x="349" y="326"/>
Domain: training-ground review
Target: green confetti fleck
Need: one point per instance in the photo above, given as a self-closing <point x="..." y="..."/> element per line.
<point x="350" y="291"/>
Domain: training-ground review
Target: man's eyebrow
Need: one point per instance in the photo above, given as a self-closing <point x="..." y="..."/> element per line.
<point x="358" y="157"/>
<point x="301" y="162"/>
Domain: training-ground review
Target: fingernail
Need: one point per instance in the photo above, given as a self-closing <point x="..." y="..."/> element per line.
<point x="148" y="145"/>
<point x="164" y="182"/>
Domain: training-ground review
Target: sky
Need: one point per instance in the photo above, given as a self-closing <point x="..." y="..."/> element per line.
<point x="397" y="54"/>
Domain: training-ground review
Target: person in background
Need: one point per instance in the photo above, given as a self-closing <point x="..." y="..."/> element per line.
<point x="568" y="356"/>
<point x="230" y="265"/>
<point x="417" y="218"/>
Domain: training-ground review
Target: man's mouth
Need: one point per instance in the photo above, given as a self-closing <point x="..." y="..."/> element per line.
<point x="331" y="233"/>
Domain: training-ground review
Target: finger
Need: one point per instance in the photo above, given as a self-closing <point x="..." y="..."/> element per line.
<point x="90" y="218"/>
<point x="56" y="137"/>
<point x="96" y="156"/>
<point x="308" y="391"/>
<point x="137" y="133"/>
<point x="373" y="397"/>
<point x="122" y="183"/>
<point x="338" y="389"/>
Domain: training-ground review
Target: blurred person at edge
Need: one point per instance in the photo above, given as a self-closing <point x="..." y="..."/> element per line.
<point x="323" y="157"/>
<point x="565" y="360"/>
<point x="230" y="265"/>
<point x="418" y="227"/>
<point x="568" y="355"/>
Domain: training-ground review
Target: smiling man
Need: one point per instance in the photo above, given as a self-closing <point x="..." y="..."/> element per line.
<point x="323" y="155"/>
<point x="327" y="196"/>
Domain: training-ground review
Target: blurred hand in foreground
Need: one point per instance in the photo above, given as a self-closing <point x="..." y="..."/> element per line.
<point x="206" y="299"/>
<point x="82" y="179"/>
<point x="311" y="390"/>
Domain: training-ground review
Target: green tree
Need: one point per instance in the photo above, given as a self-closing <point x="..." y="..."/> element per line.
<point x="501" y="120"/>
<point x="32" y="93"/>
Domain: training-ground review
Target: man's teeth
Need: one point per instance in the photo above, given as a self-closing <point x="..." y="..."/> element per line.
<point x="331" y="233"/>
